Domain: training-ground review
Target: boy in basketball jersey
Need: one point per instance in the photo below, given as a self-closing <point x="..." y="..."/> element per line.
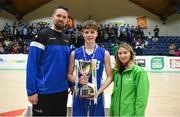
<point x="90" y="106"/>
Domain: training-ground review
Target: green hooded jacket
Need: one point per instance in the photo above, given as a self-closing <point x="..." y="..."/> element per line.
<point x="130" y="92"/>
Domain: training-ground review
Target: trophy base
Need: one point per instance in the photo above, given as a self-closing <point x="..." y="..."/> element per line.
<point x="86" y="91"/>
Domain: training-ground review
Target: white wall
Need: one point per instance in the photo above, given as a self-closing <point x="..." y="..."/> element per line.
<point x="6" y="17"/>
<point x="44" y="13"/>
<point x="173" y="25"/>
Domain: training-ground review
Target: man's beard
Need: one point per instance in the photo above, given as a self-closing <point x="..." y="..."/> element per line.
<point x="59" y="26"/>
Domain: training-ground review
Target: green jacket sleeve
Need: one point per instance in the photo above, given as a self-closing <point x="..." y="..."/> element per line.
<point x="115" y="97"/>
<point x="142" y="84"/>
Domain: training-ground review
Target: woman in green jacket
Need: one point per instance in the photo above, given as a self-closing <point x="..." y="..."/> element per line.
<point x="131" y="85"/>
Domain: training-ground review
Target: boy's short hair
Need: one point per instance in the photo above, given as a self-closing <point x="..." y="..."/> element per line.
<point x="90" y="24"/>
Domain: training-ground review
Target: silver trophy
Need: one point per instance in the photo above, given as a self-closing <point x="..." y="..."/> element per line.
<point x="85" y="69"/>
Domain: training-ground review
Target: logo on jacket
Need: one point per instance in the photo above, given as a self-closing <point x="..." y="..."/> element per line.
<point x="67" y="41"/>
<point x="52" y="38"/>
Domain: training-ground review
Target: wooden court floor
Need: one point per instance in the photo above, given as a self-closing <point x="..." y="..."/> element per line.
<point x="164" y="99"/>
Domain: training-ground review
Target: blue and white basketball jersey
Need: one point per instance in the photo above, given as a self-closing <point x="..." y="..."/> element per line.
<point x="82" y="106"/>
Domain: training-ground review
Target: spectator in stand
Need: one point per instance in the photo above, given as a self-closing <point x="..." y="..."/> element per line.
<point x="132" y="29"/>
<point x="156" y="31"/>
<point x="142" y="33"/>
<point x="138" y="31"/>
<point x="15" y="31"/>
<point x="123" y="33"/>
<point x="144" y="42"/>
<point x="1" y="37"/>
<point x="15" y="49"/>
<point x="115" y="48"/>
<point x="25" y="33"/>
<point x="25" y="49"/>
<point x="149" y="35"/>
<point x="7" y="45"/>
<point x="156" y="34"/>
<point x="7" y="28"/>
<point x="106" y="36"/>
<point x="178" y="52"/>
<point x="116" y="28"/>
<point x="7" y="42"/>
<point x="172" y="49"/>
<point x="2" y="51"/>
<point x="34" y="32"/>
<point x="138" y="49"/>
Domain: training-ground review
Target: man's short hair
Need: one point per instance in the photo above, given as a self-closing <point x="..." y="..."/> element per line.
<point x="63" y="7"/>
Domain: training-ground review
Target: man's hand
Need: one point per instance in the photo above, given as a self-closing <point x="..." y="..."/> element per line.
<point x="33" y="99"/>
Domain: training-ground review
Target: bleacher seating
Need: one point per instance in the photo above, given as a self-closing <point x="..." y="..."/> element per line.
<point x="154" y="48"/>
<point x="161" y="46"/>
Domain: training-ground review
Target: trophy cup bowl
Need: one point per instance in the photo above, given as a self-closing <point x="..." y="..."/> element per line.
<point x="85" y="70"/>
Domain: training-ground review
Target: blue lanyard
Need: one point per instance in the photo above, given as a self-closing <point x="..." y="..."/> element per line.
<point x="94" y="52"/>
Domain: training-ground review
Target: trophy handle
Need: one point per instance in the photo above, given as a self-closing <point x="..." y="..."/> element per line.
<point x="76" y="76"/>
<point x="94" y="79"/>
<point x="91" y="85"/>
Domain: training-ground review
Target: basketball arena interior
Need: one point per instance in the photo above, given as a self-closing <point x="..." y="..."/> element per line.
<point x="152" y="27"/>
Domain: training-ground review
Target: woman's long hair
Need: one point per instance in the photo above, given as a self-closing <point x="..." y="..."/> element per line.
<point x="131" y="62"/>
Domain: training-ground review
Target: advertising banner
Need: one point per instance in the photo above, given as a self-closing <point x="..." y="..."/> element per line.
<point x="142" y="61"/>
<point x="173" y="64"/>
<point x="13" y="62"/>
<point x="149" y="63"/>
